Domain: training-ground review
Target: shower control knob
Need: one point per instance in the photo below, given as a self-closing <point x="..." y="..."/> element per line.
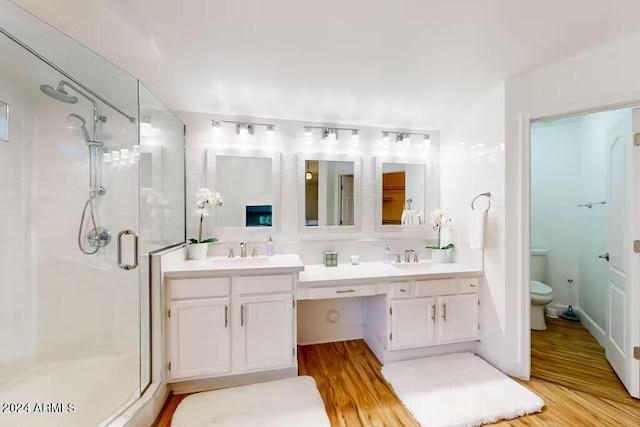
<point x="605" y="257"/>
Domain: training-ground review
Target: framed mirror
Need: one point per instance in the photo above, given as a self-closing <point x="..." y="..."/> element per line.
<point x="329" y="193"/>
<point x="406" y="193"/>
<point x="249" y="183"/>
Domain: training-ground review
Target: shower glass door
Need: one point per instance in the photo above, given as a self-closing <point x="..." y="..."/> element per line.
<point x="69" y="315"/>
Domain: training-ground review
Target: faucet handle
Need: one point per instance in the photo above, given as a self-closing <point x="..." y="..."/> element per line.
<point x="231" y="254"/>
<point x="254" y="253"/>
<point x="398" y="259"/>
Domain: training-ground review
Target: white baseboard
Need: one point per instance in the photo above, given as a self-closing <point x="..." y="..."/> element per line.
<point x="598" y="333"/>
<point x="386" y="356"/>
<point x="193" y="386"/>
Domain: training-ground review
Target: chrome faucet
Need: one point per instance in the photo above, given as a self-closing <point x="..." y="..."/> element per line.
<point x="243" y="250"/>
<point x="409" y="254"/>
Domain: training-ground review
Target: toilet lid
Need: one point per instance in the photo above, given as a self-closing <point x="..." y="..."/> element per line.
<point x="540" y="288"/>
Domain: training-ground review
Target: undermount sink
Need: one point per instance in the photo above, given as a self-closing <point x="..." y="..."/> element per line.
<point x="240" y="262"/>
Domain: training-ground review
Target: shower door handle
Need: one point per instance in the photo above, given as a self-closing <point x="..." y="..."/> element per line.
<point x="135" y="250"/>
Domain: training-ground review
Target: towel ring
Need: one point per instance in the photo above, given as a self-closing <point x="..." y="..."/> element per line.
<point x="487" y="195"/>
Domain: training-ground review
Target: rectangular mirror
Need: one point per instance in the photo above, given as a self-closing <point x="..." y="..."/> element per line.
<point x="249" y="183"/>
<point x="4" y="121"/>
<point x="405" y="193"/>
<point x="246" y="185"/>
<point x="403" y="190"/>
<point x="329" y="192"/>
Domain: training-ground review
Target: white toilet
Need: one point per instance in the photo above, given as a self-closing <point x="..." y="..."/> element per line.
<point x="541" y="293"/>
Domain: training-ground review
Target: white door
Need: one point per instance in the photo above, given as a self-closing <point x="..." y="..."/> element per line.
<point x="199" y="338"/>
<point x="623" y="328"/>
<point x="412" y="323"/>
<point x="266" y="332"/>
<point x="458" y="317"/>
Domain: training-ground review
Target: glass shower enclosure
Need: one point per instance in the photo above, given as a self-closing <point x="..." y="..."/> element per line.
<point x="91" y="181"/>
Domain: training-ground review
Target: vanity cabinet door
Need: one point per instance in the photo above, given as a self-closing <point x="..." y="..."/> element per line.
<point x="265" y="338"/>
<point x="199" y="338"/>
<point x="458" y="318"/>
<point x="412" y="323"/>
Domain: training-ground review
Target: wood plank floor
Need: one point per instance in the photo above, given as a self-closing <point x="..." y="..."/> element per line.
<point x="567" y="354"/>
<point x="356" y="394"/>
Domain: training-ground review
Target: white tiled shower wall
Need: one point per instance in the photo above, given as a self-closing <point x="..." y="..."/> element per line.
<point x="17" y="272"/>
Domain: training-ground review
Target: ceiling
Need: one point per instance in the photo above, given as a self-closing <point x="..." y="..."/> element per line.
<point x="404" y="63"/>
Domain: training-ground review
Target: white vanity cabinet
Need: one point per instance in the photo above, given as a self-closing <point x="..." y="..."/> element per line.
<point x="230" y="325"/>
<point x="200" y="337"/>
<point x="458" y="318"/>
<point x="266" y="332"/>
<point x="412" y="323"/>
<point x="421" y="314"/>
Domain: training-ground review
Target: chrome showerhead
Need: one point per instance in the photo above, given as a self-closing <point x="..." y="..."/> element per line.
<point x="60" y="94"/>
<point x="82" y="126"/>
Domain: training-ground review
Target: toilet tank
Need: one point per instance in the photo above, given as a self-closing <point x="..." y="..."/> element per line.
<point x="539" y="265"/>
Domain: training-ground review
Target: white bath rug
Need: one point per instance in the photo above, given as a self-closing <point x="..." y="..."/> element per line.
<point x="458" y="390"/>
<point x="291" y="402"/>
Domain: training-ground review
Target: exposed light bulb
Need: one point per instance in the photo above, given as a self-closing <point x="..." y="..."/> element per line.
<point x="115" y="156"/>
<point x="406" y="139"/>
<point x="106" y="157"/>
<point x="308" y="133"/>
<point x="270" y="131"/>
<point x="308" y="176"/>
<point x="124" y="153"/>
<point x="216" y="129"/>
<point x="355" y="138"/>
<point x="384" y="141"/>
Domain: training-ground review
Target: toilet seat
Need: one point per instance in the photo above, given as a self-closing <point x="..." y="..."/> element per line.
<point x="539" y="288"/>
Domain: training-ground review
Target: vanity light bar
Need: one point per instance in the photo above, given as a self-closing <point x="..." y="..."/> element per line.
<point x="404" y="138"/>
<point x="331" y="133"/>
<point x="242" y="128"/>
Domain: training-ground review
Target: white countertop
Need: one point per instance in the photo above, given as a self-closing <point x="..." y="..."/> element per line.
<point x="223" y="266"/>
<point x="319" y="275"/>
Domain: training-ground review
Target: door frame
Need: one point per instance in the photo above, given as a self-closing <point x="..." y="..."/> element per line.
<point x="523" y="267"/>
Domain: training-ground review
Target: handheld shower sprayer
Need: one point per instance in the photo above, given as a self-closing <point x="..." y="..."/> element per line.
<point x="82" y="122"/>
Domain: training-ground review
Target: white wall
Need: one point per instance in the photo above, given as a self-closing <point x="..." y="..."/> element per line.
<point x="555" y="192"/>
<point x="473" y="163"/>
<point x="605" y="76"/>
<point x="289" y="140"/>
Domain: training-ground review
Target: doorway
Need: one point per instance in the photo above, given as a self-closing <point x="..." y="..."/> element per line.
<point x="582" y="270"/>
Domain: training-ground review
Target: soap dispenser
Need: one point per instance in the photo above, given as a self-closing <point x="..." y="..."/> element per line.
<point x="271" y="249"/>
<point x="387" y="255"/>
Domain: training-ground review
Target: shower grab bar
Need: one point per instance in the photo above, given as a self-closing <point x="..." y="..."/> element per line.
<point x="135" y="250"/>
<point x="591" y="204"/>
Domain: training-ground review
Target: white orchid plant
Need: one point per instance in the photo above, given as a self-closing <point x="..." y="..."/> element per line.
<point x="439" y="220"/>
<point x="205" y="197"/>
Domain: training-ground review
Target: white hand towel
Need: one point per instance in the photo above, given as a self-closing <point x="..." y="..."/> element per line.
<point x="478" y="220"/>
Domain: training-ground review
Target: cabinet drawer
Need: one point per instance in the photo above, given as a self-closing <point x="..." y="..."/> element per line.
<point x="401" y="290"/>
<point x="343" y="292"/>
<point x="469" y="286"/>
<point x="199" y="288"/>
<point x="428" y="288"/>
<point x="265" y="284"/>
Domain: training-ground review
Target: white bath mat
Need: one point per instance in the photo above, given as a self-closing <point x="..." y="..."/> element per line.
<point x="292" y="402"/>
<point x="458" y="390"/>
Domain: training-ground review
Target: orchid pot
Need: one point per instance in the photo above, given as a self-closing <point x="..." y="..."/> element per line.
<point x="199" y="247"/>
